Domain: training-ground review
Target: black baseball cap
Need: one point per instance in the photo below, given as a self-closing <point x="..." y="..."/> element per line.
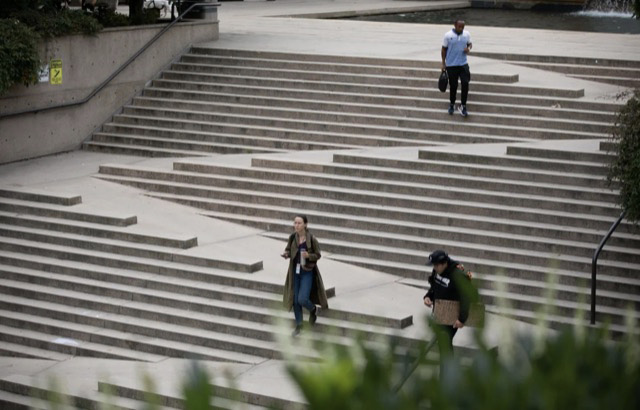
<point x="437" y="257"/>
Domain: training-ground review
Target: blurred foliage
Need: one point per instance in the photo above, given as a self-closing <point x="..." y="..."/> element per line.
<point x="636" y="9"/>
<point x="567" y="371"/>
<point x="196" y="389"/>
<point x="625" y="168"/>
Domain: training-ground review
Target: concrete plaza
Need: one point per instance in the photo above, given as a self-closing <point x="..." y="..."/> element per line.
<point x="293" y="26"/>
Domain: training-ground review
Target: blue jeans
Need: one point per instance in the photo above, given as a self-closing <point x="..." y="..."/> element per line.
<point x="301" y="291"/>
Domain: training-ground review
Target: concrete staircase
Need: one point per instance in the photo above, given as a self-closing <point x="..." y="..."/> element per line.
<point x="516" y="216"/>
<point x="511" y="218"/>
<point x="618" y="72"/>
<point x="233" y="101"/>
<point x="77" y="283"/>
<point x="394" y="178"/>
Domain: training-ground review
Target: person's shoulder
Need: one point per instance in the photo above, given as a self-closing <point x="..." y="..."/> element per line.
<point x="458" y="268"/>
<point x="448" y="34"/>
<point x="467" y="33"/>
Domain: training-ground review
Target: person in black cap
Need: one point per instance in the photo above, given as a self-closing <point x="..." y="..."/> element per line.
<point x="448" y="281"/>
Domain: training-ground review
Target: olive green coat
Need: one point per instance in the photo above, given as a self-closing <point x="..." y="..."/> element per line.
<point x="318" y="295"/>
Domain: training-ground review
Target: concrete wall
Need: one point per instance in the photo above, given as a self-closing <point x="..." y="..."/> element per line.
<point x="86" y="62"/>
<point x="530" y="4"/>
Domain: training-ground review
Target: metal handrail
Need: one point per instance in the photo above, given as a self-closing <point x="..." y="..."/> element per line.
<point x="415" y="365"/>
<point x="594" y="265"/>
<point x="103" y="84"/>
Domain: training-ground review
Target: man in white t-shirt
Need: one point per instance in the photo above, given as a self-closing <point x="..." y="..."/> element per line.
<point x="455" y="47"/>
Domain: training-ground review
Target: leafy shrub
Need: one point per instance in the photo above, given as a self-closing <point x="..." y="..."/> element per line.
<point x="625" y="168"/>
<point x="109" y="18"/>
<point x="19" y="62"/>
<point x="58" y="23"/>
<point x="568" y="371"/>
<point x="636" y="8"/>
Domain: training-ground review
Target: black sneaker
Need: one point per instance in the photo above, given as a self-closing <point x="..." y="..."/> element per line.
<point x="462" y="109"/>
<point x="313" y="316"/>
<point x="296" y="331"/>
<point x="451" y="109"/>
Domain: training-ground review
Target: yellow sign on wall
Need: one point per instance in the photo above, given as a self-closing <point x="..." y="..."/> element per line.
<point x="55" y="72"/>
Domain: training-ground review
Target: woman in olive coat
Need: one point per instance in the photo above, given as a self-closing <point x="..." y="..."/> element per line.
<point x="304" y="286"/>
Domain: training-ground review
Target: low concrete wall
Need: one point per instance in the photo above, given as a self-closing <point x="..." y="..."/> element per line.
<point x="530" y="4"/>
<point x="86" y="62"/>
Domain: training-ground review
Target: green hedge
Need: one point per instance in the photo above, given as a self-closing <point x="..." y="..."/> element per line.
<point x="25" y="22"/>
<point x="19" y="61"/>
<point x="625" y="168"/>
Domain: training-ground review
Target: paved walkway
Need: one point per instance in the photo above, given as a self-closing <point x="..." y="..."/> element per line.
<point x="261" y="25"/>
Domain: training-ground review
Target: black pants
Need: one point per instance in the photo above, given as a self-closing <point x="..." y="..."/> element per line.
<point x="462" y="72"/>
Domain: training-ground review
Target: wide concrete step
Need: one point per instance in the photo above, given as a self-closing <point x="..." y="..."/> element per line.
<point x="428" y="71"/>
<point x="224" y="397"/>
<point x="299" y="171"/>
<point x="172" y="399"/>
<point x="516" y="161"/>
<point x="349" y="86"/>
<point x="257" y="142"/>
<point x="562" y="308"/>
<point x="111" y="260"/>
<point x="52" y="211"/>
<point x="152" y="142"/>
<point x="413" y="249"/>
<point x="586" y="69"/>
<point x="194" y="184"/>
<point x="26" y="391"/>
<point x="137" y="335"/>
<point x="333" y="133"/>
<point x="359" y="103"/>
<point x="12" y="401"/>
<point x="449" y="233"/>
<point x="359" y="124"/>
<point x="558" y="154"/>
<point x="496" y="226"/>
<point x="596" y="62"/>
<point x="371" y="208"/>
<point x="62" y="339"/>
<point x="233" y="336"/>
<point x="349" y="163"/>
<point x="192" y="277"/>
<point x="126" y="249"/>
<point x="427" y="79"/>
<point x="46" y="197"/>
<point x="18" y="350"/>
<point x="88" y="229"/>
<point x="128" y="149"/>
<point x="554" y="107"/>
<point x="408" y="118"/>
<point x="610" y="79"/>
<point x="560" y="322"/>
<point x="256" y="136"/>
<point x="245" y="304"/>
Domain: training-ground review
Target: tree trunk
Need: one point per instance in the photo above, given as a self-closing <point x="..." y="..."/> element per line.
<point x="135" y="9"/>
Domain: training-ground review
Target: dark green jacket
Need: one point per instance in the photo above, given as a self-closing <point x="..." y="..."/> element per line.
<point x="318" y="295"/>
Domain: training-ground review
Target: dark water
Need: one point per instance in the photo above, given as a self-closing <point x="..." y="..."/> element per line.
<point x="599" y="22"/>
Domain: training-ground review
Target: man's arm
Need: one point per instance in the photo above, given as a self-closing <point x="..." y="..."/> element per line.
<point x="443" y="55"/>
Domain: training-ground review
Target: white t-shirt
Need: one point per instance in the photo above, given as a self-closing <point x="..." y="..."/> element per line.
<point x="455" y="45"/>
